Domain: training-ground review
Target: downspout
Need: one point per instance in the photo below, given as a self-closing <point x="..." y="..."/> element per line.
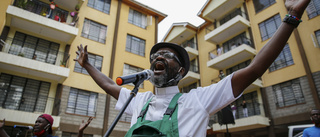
<point x="114" y="45"/>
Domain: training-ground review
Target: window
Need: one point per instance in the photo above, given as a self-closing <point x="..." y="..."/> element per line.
<point x="288" y="93"/>
<point x="284" y="59"/>
<point x="82" y="102"/>
<point x="317" y="34"/>
<point x="19" y="93"/>
<point x="28" y="46"/>
<point x="67" y="134"/>
<point x="135" y="45"/>
<point x="95" y="60"/>
<point x="94" y="31"/>
<point x="128" y="69"/>
<point x="189" y="43"/>
<point x="101" y="5"/>
<point x="237" y="67"/>
<point x="259" y="5"/>
<point x="269" y="27"/>
<point x="313" y="9"/>
<point x="125" y="117"/>
<point x="137" y="18"/>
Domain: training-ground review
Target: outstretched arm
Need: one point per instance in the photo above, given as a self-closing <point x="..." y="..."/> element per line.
<point x="244" y="77"/>
<point x="106" y="83"/>
<point x="3" y="133"/>
<point x="84" y="126"/>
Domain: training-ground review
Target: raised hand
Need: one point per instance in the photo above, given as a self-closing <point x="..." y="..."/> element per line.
<point x="2" y="123"/>
<point x="82" y="55"/>
<point x="296" y="7"/>
<point x="85" y="125"/>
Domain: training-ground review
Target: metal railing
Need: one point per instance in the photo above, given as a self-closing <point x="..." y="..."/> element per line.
<point x="59" y="59"/>
<point x="189" y="44"/>
<point x="194" y="68"/>
<point x="232" y="15"/>
<point x="27" y="102"/>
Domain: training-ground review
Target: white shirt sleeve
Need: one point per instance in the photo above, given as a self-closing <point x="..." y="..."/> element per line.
<point x="216" y="96"/>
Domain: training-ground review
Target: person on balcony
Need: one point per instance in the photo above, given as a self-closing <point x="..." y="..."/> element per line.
<point x="170" y="63"/>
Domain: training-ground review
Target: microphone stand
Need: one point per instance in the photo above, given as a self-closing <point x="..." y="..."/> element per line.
<point x="132" y="94"/>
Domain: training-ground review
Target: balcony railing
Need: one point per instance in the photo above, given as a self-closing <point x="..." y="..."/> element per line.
<point x="26" y="102"/>
<point x="189" y="44"/>
<point x="58" y="59"/>
<point x="194" y="68"/>
<point x="232" y="15"/>
<point x="43" y="9"/>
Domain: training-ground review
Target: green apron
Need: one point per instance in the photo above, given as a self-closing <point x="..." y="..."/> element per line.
<point x="167" y="127"/>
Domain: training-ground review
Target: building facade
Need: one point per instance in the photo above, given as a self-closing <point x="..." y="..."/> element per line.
<point x="234" y="31"/>
<point x="39" y="40"/>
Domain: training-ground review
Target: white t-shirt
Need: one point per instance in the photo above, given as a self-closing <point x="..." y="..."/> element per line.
<point x="193" y="107"/>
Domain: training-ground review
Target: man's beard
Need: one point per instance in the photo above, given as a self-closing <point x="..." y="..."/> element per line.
<point x="162" y="80"/>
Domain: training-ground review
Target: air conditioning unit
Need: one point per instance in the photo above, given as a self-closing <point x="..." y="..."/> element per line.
<point x="315" y="41"/>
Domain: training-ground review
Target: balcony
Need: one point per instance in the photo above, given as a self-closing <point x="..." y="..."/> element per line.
<point x="15" y="117"/>
<point x="231" y="57"/>
<point x="38" y="67"/>
<point x="214" y="10"/>
<point x="228" y="30"/>
<point x="180" y="32"/>
<point x="191" y="77"/>
<point x="248" y="123"/>
<point x="36" y="22"/>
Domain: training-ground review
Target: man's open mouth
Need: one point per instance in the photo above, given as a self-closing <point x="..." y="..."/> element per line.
<point x="159" y="67"/>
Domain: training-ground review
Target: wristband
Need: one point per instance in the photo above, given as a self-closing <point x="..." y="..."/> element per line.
<point x="293" y="20"/>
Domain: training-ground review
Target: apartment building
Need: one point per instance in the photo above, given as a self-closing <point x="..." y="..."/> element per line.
<point x="233" y="33"/>
<point x="39" y="40"/>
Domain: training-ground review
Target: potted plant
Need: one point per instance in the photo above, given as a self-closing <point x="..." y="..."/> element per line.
<point x="62" y="63"/>
<point x="21" y="54"/>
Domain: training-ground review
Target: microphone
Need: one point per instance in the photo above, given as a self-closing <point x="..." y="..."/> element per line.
<point x="143" y="75"/>
<point x="23" y="127"/>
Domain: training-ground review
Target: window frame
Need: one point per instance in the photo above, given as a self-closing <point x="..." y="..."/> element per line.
<point x="130" y="47"/>
<point x="313" y="9"/>
<point x="106" y="5"/>
<point x="89" y="28"/>
<point x="275" y="21"/>
<point x="284" y="55"/>
<point x="24" y="92"/>
<point x="268" y="4"/>
<point x="134" y="16"/>
<point x="282" y="96"/>
<point x="73" y="105"/>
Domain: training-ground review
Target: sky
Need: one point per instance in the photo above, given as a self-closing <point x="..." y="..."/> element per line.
<point x="176" y="11"/>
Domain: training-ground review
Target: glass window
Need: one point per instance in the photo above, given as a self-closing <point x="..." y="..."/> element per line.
<point x="19" y="93"/>
<point x="194" y="66"/>
<point x="235" y="42"/>
<point x="82" y="102"/>
<point x="28" y="46"/>
<point x="259" y="5"/>
<point x="284" y="59"/>
<point x="313" y="8"/>
<point x="94" y="31"/>
<point x="137" y="18"/>
<point x="288" y="93"/>
<point x="101" y="5"/>
<point x="135" y="45"/>
<point x="94" y="60"/>
<point x="269" y="27"/>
